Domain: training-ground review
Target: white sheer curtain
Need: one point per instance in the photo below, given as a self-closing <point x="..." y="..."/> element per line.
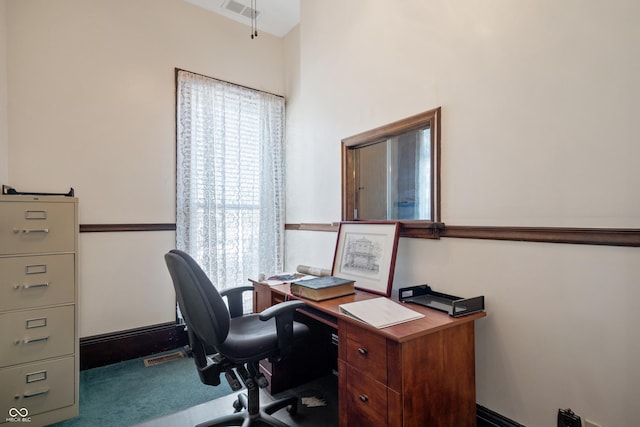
<point x="230" y="178"/>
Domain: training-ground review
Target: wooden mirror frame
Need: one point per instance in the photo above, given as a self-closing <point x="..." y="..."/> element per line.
<point x="409" y="228"/>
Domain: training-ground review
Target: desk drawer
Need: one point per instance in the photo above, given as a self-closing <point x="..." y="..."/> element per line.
<point x="31" y="335"/>
<point x="36" y="227"/>
<point x="38" y="387"/>
<point x="366" y="399"/>
<point x="366" y="350"/>
<point x="33" y="281"/>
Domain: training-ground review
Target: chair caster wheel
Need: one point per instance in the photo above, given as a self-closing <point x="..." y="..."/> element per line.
<point x="293" y="409"/>
<point x="237" y="406"/>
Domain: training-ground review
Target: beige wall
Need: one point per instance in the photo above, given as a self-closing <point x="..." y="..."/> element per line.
<point x="92" y="106"/>
<point x="4" y="150"/>
<point x="538" y="102"/>
<point x="539" y="107"/>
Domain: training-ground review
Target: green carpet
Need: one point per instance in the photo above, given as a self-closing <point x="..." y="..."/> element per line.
<point x="128" y="392"/>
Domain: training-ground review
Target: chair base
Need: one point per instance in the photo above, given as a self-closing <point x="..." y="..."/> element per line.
<point x="248" y="412"/>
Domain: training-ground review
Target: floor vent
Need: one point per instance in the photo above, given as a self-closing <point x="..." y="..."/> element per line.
<point x="488" y="418"/>
<point x="156" y="360"/>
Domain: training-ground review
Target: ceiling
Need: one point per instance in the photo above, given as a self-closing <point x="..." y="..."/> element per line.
<point x="276" y="17"/>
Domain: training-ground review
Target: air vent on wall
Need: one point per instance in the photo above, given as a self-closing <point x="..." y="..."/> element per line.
<point x="240" y="9"/>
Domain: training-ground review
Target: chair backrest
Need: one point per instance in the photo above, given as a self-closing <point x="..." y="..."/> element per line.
<point x="204" y="310"/>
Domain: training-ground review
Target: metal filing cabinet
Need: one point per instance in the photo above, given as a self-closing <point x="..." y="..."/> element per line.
<point x="38" y="309"/>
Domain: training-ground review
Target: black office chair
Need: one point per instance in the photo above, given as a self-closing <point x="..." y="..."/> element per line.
<point x="223" y="340"/>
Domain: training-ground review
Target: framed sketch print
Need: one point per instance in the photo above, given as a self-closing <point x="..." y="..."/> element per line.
<point x="366" y="253"/>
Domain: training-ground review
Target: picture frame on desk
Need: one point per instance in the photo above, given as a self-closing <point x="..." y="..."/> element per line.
<point x="366" y="252"/>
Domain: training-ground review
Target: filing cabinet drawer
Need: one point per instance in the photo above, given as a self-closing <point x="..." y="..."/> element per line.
<point x="38" y="387"/>
<point x="30" y="335"/>
<point x="367" y="351"/>
<point x="38" y="325"/>
<point x="33" y="281"/>
<point x="366" y="399"/>
<point x="37" y="227"/>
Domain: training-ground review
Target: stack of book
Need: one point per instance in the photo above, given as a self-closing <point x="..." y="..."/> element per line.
<point x="322" y="288"/>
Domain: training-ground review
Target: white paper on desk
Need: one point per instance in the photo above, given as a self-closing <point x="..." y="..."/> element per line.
<point x="379" y="312"/>
<point x="282" y="282"/>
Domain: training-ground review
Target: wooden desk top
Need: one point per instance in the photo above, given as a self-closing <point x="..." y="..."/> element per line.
<point x="433" y="320"/>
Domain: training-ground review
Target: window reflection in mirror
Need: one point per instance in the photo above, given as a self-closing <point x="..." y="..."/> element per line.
<point x="391" y="172"/>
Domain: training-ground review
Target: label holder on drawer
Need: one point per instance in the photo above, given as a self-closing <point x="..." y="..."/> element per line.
<point x="33" y="377"/>
<point x="40" y="214"/>
<point x="35" y="269"/>
<point x="40" y="322"/>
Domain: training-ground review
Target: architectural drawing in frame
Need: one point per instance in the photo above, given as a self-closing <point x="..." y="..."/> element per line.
<point x="366" y="253"/>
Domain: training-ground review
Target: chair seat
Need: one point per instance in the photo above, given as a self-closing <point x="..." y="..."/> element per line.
<point x="263" y="341"/>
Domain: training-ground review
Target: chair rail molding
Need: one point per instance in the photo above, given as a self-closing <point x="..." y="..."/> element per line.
<point x="106" y="228"/>
<point x="582" y="236"/>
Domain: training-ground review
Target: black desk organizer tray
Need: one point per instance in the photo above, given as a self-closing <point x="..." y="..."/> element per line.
<point x="455" y="306"/>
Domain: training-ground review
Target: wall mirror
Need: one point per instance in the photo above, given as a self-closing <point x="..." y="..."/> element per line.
<point x="393" y="172"/>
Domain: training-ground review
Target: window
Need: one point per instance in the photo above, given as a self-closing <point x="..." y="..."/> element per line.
<point x="230" y="178"/>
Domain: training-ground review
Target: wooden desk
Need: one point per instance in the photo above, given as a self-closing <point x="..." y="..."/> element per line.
<point x="419" y="373"/>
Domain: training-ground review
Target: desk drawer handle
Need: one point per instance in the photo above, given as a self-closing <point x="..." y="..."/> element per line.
<point x="363" y="351"/>
<point x="27" y="230"/>
<point x="35" y="285"/>
<point x="36" y="393"/>
<point x="32" y="340"/>
<point x="364" y="398"/>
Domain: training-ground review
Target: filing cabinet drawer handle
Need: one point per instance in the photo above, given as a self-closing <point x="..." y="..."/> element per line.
<point x="33" y="340"/>
<point x="33" y="286"/>
<point x="364" y="398"/>
<point x="36" y="393"/>
<point x="363" y="351"/>
<point x="28" y="230"/>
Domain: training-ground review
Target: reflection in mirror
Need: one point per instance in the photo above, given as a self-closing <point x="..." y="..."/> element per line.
<point x="401" y="193"/>
<point x="391" y="173"/>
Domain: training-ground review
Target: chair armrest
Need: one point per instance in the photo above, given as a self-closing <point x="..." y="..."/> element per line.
<point x="234" y="299"/>
<point x="283" y="312"/>
<point x="282" y="308"/>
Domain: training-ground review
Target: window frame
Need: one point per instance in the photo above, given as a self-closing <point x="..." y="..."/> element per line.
<point x="409" y="228"/>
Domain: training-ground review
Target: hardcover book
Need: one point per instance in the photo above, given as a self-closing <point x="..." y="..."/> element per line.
<point x="322" y="288"/>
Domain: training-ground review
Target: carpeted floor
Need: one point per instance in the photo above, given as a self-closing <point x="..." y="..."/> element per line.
<point x="318" y="407"/>
<point x="128" y="393"/>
